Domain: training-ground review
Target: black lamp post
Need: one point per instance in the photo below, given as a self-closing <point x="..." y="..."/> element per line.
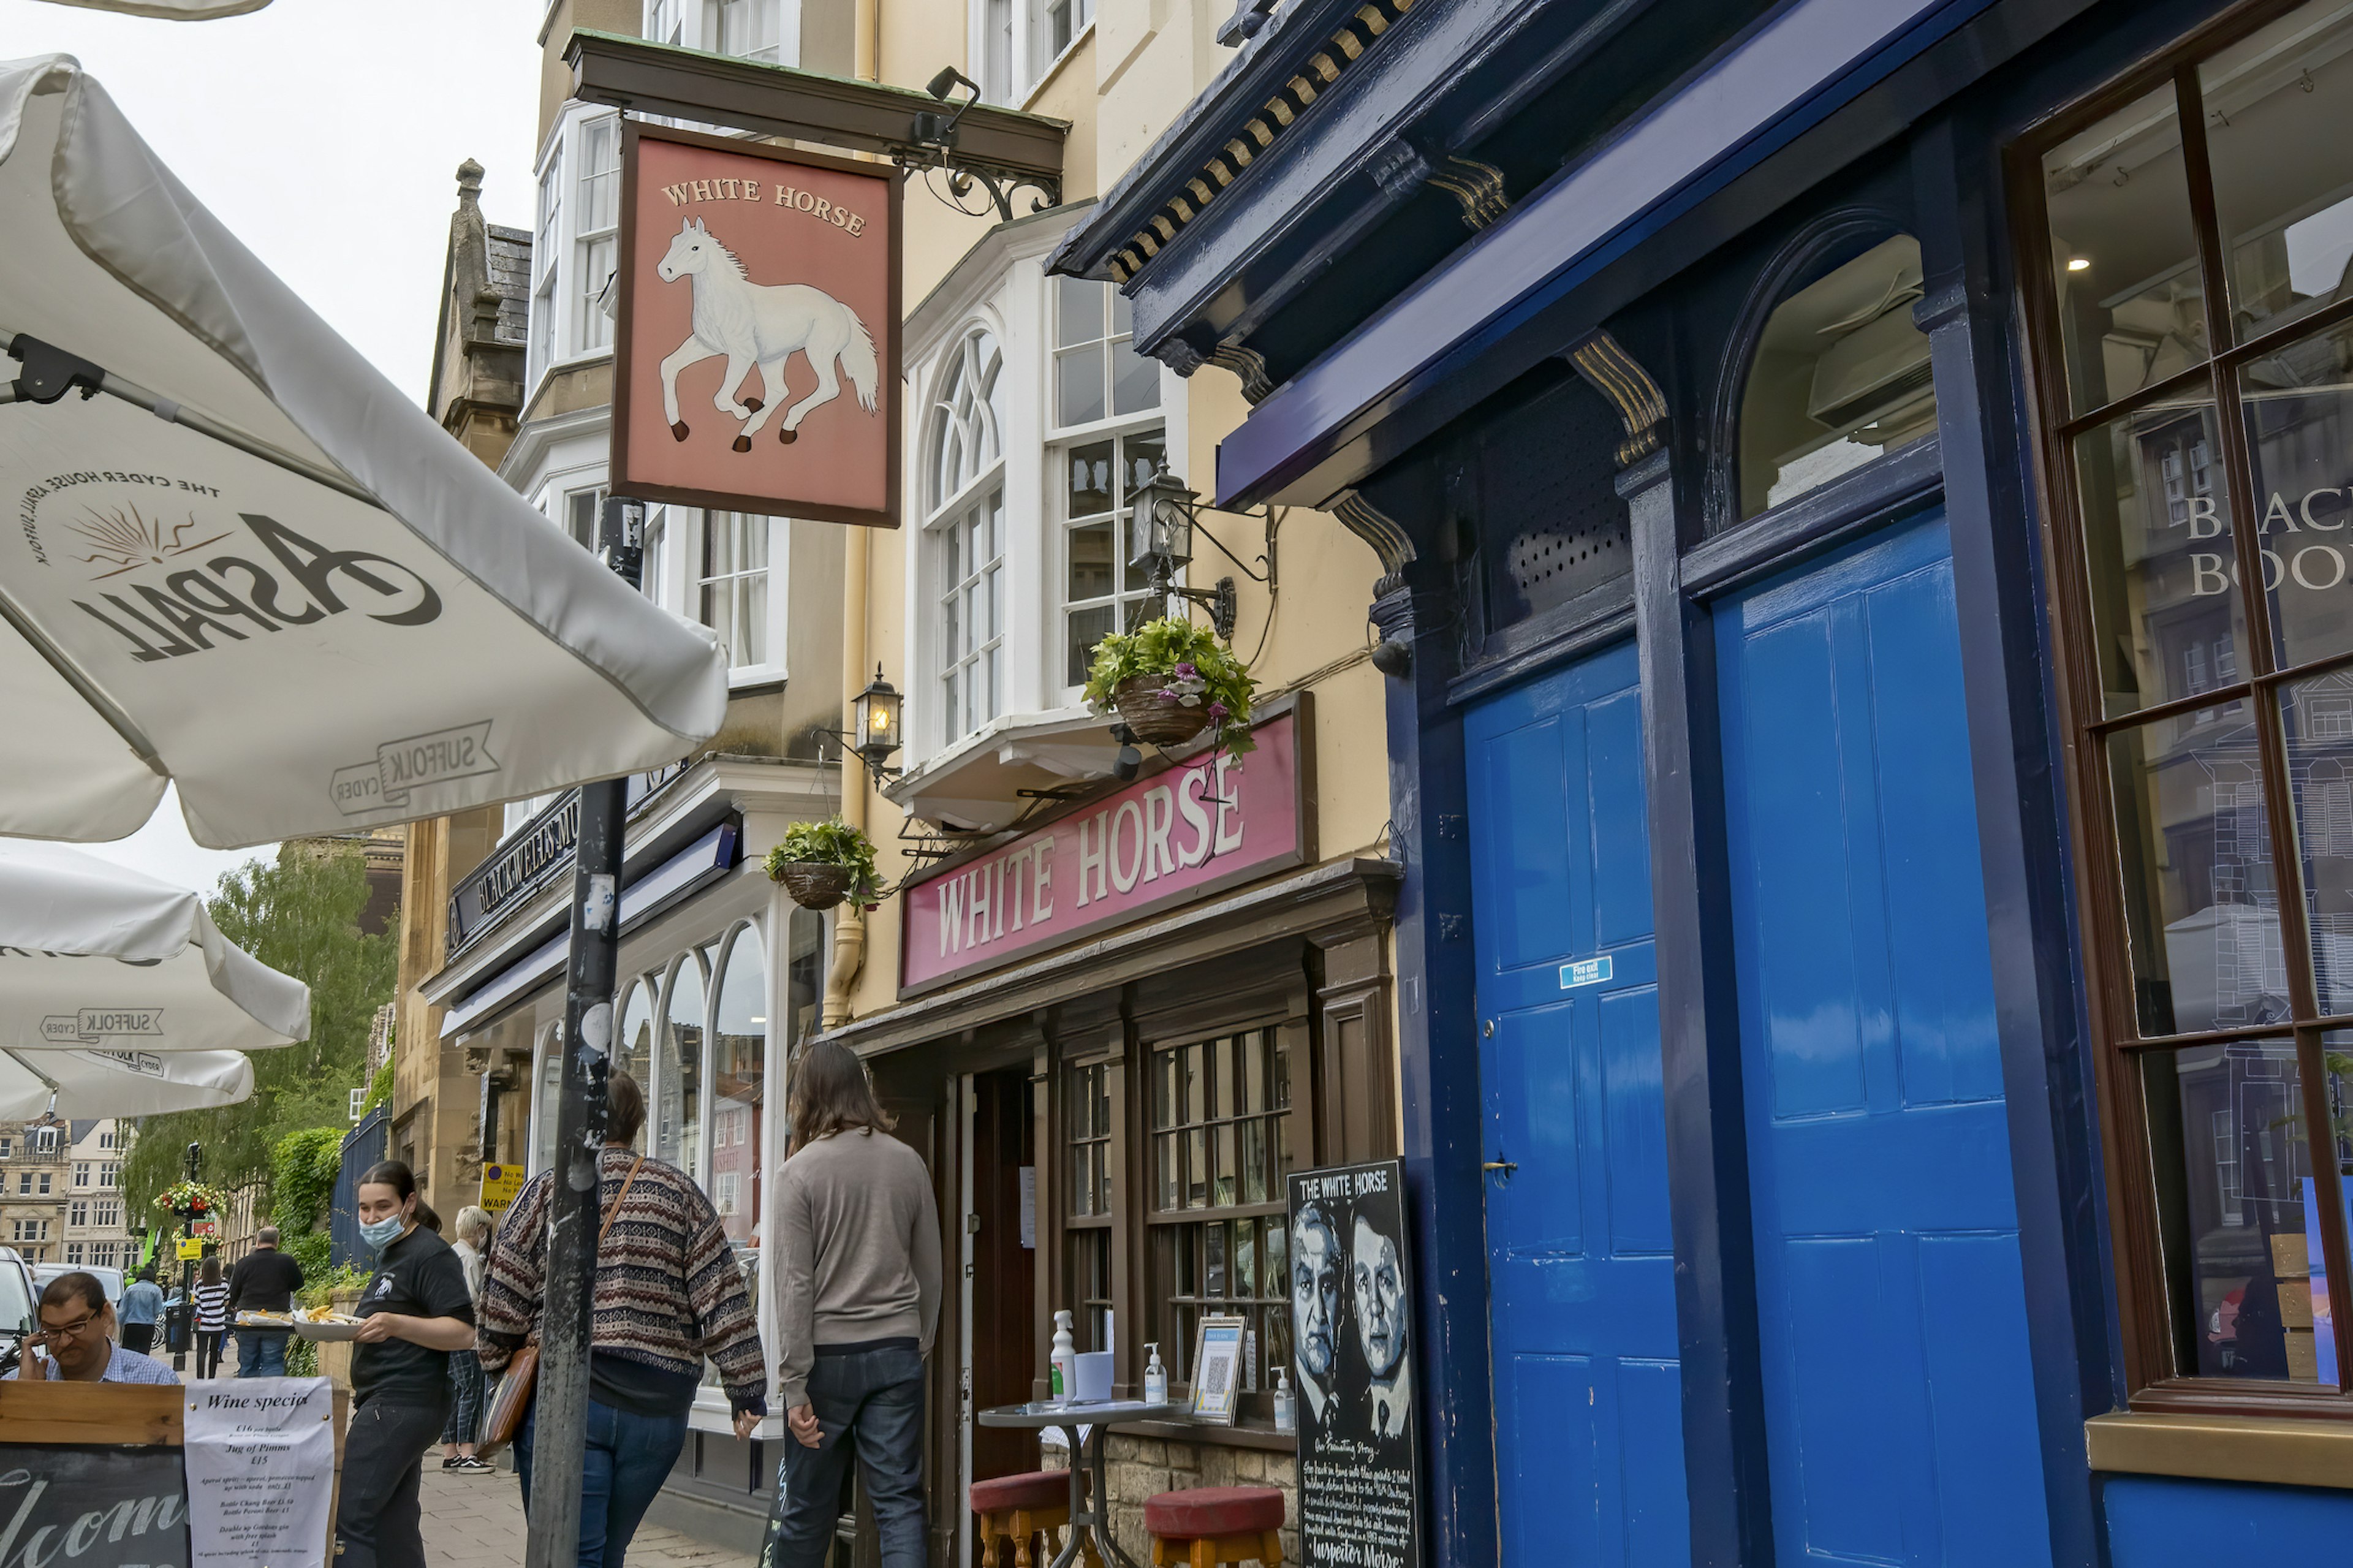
<point x="874" y="726"/>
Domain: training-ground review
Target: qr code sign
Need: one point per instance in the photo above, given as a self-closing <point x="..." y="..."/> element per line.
<point x="1217" y="1376"/>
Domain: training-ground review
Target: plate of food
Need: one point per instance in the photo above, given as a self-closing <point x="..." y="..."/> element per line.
<point x="250" y="1319"/>
<point x="326" y="1323"/>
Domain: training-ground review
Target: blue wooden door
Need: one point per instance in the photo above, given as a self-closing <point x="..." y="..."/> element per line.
<point x="1588" y="1406"/>
<point x="1899" y="1406"/>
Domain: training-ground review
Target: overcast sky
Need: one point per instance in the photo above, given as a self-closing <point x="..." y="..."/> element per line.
<point x="327" y="136"/>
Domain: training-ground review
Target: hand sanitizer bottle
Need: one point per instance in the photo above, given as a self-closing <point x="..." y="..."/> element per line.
<point x="1286" y="1404"/>
<point x="1155" y="1378"/>
<point x="1065" y="1364"/>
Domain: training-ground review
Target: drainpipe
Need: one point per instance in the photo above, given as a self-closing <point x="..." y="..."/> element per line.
<point x="866" y="49"/>
<point x="848" y="920"/>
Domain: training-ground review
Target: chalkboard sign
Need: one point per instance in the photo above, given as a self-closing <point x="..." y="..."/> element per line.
<point x="92" y="1507"/>
<point x="1352" y="1339"/>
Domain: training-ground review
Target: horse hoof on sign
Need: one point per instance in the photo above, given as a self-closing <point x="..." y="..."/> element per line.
<point x="678" y="429"/>
<point x="788" y="436"/>
<point x="753" y="404"/>
<point x="743" y="443"/>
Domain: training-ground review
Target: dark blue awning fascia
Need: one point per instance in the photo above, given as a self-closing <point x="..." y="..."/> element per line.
<point x="1785" y="77"/>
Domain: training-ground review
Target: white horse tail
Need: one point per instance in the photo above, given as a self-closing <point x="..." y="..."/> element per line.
<point x="858" y="361"/>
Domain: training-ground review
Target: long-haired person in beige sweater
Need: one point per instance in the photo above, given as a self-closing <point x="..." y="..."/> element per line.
<point x="860" y="1240"/>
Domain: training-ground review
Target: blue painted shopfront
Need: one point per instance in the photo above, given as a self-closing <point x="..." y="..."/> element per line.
<point x="1785" y="1120"/>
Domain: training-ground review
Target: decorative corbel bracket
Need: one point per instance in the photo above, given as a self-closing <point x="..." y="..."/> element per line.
<point x="1642" y="407"/>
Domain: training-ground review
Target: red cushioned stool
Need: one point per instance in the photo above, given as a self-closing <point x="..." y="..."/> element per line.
<point x="1210" y="1525"/>
<point x="1022" y="1508"/>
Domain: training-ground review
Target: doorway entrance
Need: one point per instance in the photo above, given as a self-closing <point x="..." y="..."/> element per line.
<point x="1587" y="1375"/>
<point x="1899" y="1402"/>
<point x="998" y="1278"/>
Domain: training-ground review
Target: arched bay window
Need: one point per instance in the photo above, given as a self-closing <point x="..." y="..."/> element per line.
<point x="964" y="467"/>
<point x="678" y="1095"/>
<point x="635" y="1053"/>
<point x="739" y="1049"/>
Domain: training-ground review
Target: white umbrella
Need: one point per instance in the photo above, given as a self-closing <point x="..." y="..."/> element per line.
<point x="248" y="564"/>
<point x="95" y="955"/>
<point x="120" y="1083"/>
<point x="174" y="10"/>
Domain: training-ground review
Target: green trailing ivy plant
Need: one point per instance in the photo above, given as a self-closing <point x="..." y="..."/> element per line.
<point x="1189" y="667"/>
<point x="831" y="843"/>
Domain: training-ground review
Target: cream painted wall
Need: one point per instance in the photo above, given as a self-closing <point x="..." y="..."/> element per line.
<point x="1119" y="85"/>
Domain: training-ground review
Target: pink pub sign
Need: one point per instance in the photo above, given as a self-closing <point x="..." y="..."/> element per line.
<point x="1200" y="827"/>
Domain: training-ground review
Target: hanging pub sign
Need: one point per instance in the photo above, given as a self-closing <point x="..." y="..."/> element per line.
<point x="756" y="363"/>
<point x="1352" y="1336"/>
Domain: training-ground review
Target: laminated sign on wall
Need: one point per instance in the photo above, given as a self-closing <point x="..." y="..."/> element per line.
<point x="1352" y="1336"/>
<point x="757" y="359"/>
<point x="261" y="1472"/>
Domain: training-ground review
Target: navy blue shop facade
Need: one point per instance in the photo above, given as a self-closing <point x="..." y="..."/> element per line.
<point x="1863" y="488"/>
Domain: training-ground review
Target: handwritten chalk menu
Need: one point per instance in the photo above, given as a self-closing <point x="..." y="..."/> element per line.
<point x="1352" y="1343"/>
<point x="261" y="1472"/>
<point x="92" y="1507"/>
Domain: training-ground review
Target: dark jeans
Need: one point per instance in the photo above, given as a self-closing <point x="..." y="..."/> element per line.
<point x="208" y="1351"/>
<point x="376" y="1523"/>
<point x="869" y="1397"/>
<point x="139" y="1337"/>
<point x="260" y="1353"/>
<point x="627" y="1459"/>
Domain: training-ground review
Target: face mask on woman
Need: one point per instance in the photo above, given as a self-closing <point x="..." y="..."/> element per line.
<point x="383" y="1232"/>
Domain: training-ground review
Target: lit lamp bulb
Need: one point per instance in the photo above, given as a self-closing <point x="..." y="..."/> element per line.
<point x="2078" y="264"/>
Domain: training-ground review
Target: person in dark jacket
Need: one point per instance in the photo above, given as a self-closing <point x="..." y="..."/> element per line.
<point x="264" y="1280"/>
<point x="416" y="1312"/>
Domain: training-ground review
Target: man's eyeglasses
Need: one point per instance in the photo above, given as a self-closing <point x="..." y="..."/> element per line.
<point x="80" y="1328"/>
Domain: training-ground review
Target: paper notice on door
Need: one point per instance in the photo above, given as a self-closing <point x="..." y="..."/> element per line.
<point x="261" y="1472"/>
<point x="1029" y="1207"/>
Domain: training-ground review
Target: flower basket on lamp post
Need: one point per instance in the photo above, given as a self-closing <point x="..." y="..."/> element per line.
<point x="1170" y="679"/>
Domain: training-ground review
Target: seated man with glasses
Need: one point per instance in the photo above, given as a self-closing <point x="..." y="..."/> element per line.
<point x="77" y="1335"/>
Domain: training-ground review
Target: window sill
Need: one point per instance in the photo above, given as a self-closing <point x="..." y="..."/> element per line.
<point x="2267" y="1449"/>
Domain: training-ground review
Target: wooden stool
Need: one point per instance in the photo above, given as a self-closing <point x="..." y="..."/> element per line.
<point x="1019" y="1508"/>
<point x="1210" y="1525"/>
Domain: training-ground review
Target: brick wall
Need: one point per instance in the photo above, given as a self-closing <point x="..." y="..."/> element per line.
<point x="1139" y="1468"/>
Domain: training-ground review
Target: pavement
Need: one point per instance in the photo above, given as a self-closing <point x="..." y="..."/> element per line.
<point x="475" y="1520"/>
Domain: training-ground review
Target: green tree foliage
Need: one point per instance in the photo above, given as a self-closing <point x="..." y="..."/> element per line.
<point x="302" y="1171"/>
<point x="300" y="915"/>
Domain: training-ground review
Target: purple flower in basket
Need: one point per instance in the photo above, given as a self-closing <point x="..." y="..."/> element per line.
<point x="1185" y="672"/>
<point x="1218" y="710"/>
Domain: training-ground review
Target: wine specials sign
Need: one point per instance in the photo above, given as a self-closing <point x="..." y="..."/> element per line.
<point x="756" y="365"/>
<point x="1202" y="825"/>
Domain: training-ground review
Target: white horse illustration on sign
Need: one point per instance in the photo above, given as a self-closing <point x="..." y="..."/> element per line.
<point x="763" y="324"/>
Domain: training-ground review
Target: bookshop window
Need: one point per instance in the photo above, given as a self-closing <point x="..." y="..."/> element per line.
<point x="2193" y="270"/>
<point x="1087" y="1229"/>
<point x="1224" y="1134"/>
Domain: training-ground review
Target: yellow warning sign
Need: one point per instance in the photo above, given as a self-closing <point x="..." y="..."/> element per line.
<point x="499" y="1186"/>
<point x="190" y="1248"/>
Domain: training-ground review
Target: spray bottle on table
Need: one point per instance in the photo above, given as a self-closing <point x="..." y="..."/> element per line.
<point x="1155" y="1378"/>
<point x="1286" y="1404"/>
<point x="1065" y="1360"/>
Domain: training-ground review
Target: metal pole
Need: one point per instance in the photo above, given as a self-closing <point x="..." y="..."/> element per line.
<point x="560" y="1424"/>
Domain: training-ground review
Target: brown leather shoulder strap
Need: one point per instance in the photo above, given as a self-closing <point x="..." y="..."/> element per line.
<point x="628" y="1182"/>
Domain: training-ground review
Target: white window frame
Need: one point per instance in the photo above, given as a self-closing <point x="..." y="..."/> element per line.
<point x="1058" y="442"/>
<point x="1012" y="43"/>
<point x="596" y="248"/>
<point x="695" y="25"/>
<point x="691" y="584"/>
<point x="963" y="512"/>
<point x="562" y="295"/>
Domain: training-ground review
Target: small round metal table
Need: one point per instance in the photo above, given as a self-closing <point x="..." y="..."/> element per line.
<point x="1083" y="1426"/>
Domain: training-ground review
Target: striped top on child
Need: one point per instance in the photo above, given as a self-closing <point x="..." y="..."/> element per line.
<point x="212" y="1309"/>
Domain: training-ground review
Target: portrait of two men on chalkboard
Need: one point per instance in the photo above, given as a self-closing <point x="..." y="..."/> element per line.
<point x="1352" y="1343"/>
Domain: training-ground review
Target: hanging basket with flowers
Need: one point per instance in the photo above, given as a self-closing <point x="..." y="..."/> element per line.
<point x="193" y="1200"/>
<point x="822" y="863"/>
<point x="1169" y="679"/>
